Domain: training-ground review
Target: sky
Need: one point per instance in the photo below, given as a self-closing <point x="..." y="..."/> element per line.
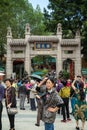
<point x="42" y="3"/>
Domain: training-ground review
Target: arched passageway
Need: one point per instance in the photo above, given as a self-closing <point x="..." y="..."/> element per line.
<point x="18" y="68"/>
<point x="68" y="66"/>
<point x="42" y="64"/>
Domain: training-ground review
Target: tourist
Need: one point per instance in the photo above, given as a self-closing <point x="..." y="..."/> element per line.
<point x="80" y="108"/>
<point x="27" y="85"/>
<point x="10" y="95"/>
<point x="68" y="83"/>
<point x="19" y="85"/>
<point x="1" y="105"/>
<point x="22" y="95"/>
<point x="72" y="92"/>
<point x="51" y="103"/>
<point x="40" y="102"/>
<point x="32" y="95"/>
<point x="65" y="94"/>
<point x="14" y="84"/>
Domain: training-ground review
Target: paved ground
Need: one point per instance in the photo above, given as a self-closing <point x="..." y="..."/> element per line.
<point x="25" y="120"/>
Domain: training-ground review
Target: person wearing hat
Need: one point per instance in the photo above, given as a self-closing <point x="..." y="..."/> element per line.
<point x="32" y="95"/>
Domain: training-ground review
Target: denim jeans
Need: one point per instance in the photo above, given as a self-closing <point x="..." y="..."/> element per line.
<point x="32" y="104"/>
<point x="22" y="99"/>
<point x="49" y="126"/>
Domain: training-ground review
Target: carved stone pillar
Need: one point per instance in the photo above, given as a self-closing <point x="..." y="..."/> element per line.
<point x="27" y="31"/>
<point x="27" y="64"/>
<point x="59" y="56"/>
<point x="78" y="54"/>
<point x="78" y="64"/>
<point x="8" y="59"/>
<point x="58" y="60"/>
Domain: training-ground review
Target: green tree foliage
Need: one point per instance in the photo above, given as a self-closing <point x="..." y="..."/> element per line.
<point x="3" y="19"/>
<point x="64" y="74"/>
<point x="38" y="26"/>
<point x="16" y="13"/>
<point x="84" y="41"/>
<point x="72" y="14"/>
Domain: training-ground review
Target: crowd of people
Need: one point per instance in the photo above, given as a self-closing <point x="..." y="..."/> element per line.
<point x="49" y="97"/>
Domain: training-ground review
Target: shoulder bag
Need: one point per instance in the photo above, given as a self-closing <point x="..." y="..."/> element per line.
<point x="11" y="110"/>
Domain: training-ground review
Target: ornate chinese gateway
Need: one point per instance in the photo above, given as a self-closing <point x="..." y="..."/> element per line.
<point x="67" y="52"/>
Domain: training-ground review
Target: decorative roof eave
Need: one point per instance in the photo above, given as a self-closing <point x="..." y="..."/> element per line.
<point x="43" y="39"/>
<point x="18" y="42"/>
<point x="69" y="42"/>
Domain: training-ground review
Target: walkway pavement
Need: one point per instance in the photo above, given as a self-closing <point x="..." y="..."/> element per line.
<point x="26" y="119"/>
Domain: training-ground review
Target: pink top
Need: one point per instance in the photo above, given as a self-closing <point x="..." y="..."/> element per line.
<point x="28" y="85"/>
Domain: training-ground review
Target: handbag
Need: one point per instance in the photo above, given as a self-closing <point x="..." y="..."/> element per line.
<point x="12" y="111"/>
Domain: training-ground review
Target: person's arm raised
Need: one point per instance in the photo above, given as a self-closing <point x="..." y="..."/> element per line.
<point x="73" y="86"/>
<point x="42" y="82"/>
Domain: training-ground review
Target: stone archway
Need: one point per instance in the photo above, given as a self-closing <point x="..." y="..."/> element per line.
<point x="53" y="45"/>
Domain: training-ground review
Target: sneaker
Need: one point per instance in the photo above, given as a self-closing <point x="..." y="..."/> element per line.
<point x="37" y="124"/>
<point x="68" y="119"/>
<point x="71" y="113"/>
<point x="63" y="120"/>
<point x="33" y="109"/>
<point x="77" y="128"/>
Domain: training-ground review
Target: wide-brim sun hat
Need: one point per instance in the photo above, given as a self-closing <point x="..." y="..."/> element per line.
<point x="2" y="74"/>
